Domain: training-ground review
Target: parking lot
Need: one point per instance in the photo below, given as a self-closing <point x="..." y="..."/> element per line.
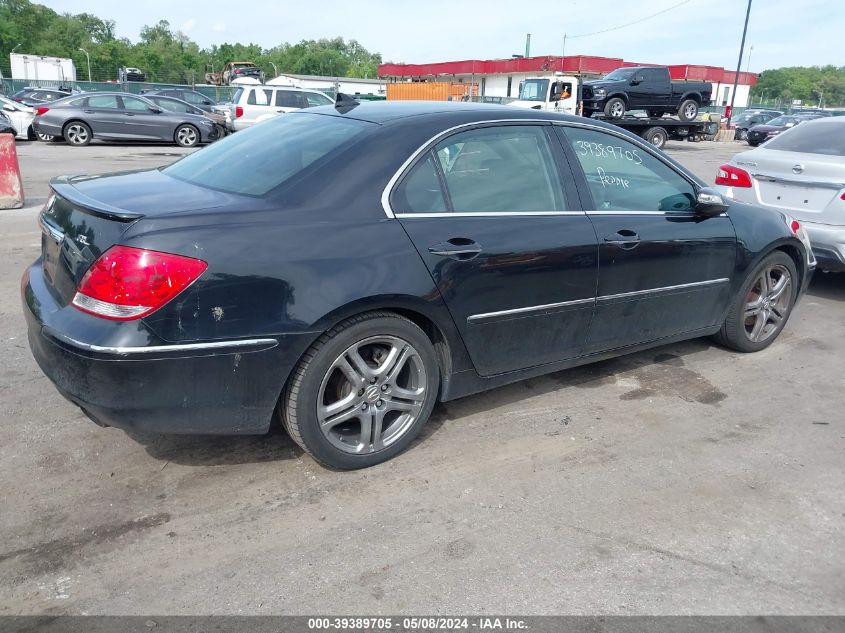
<point x="684" y="479"/>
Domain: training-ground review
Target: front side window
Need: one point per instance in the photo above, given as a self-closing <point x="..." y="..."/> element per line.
<point x="624" y="177"/>
<point x="316" y="99"/>
<point x="136" y="105"/>
<point x="263" y="157"/>
<point x="499" y="170"/>
<point x="103" y="101"/>
<point x="193" y="97"/>
<point x="174" y="106"/>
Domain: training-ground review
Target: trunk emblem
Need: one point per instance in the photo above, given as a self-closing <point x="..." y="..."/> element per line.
<point x="797" y="169"/>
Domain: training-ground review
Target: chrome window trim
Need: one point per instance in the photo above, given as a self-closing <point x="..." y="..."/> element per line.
<point x="492" y="214"/>
<point x="643" y="144"/>
<point x="623" y="295"/>
<point x="385" y="195"/>
<point x="515" y="311"/>
<point x="157" y="349"/>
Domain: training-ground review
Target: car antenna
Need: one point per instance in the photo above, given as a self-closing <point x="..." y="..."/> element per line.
<point x="344" y="103"/>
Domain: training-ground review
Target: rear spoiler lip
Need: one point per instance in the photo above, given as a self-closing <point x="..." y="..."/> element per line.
<point x="63" y="186"/>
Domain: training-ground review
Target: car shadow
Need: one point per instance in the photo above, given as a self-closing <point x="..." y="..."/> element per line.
<point x="827" y="286"/>
<point x="198" y="450"/>
<point x="219" y="450"/>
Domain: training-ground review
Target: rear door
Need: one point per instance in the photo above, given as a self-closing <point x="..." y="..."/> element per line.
<point x="663" y="270"/>
<point x="105" y="116"/>
<point x="503" y="235"/>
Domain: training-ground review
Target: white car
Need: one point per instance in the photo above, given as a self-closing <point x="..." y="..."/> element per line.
<point x="20" y="116"/>
<point x="800" y="171"/>
<point x="253" y="104"/>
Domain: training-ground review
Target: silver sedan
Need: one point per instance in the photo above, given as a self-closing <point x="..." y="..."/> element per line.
<point x="800" y="171"/>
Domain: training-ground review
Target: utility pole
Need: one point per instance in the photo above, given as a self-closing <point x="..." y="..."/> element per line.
<point x="563" y="52"/>
<point x="739" y="62"/>
<point x="87" y="57"/>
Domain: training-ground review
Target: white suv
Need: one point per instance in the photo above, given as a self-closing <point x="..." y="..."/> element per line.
<point x="253" y="104"/>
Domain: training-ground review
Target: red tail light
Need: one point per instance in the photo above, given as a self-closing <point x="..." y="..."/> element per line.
<point x="239" y="112"/>
<point x="128" y="283"/>
<point x="40" y="111"/>
<point x="731" y="176"/>
<point x="795" y="226"/>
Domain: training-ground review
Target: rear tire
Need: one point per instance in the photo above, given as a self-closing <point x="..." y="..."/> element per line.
<point x="77" y="133"/>
<point x="657" y="136"/>
<point x="688" y="110"/>
<point x="762" y="306"/>
<point x="362" y="393"/>
<point x="614" y="108"/>
<point x="753" y="143"/>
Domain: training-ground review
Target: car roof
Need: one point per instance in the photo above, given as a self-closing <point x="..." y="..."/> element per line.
<point x="384" y="111"/>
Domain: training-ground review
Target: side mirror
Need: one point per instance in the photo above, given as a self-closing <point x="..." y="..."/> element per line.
<point x="207" y="102"/>
<point x="8" y="108"/>
<point x="710" y="203"/>
<point x="635" y="81"/>
<point x="155" y="110"/>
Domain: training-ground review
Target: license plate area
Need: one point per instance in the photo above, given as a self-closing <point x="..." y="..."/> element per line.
<point x="793" y="196"/>
<point x="50" y="255"/>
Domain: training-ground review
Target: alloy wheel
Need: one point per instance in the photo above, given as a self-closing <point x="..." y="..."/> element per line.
<point x="186" y="136"/>
<point x="767" y="303"/>
<point x="371" y="395"/>
<point x="690" y="111"/>
<point x="617" y="110"/>
<point x="77" y="134"/>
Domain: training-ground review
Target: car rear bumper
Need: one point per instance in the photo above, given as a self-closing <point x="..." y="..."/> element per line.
<point x="212" y="387"/>
<point x="828" y="242"/>
<point x="41" y="127"/>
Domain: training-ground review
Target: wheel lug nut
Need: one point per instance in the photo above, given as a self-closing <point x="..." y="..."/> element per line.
<point x="385" y="387"/>
<point x="364" y="407"/>
<point x="360" y="392"/>
<point x="380" y="403"/>
<point x="373" y="381"/>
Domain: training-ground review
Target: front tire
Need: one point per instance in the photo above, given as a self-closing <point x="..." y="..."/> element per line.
<point x="762" y="307"/>
<point x="362" y="392"/>
<point x="77" y="133"/>
<point x="187" y="136"/>
<point x="614" y="108"/>
<point x="688" y="110"/>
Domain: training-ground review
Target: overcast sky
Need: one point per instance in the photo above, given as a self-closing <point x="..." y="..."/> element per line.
<point x="782" y="32"/>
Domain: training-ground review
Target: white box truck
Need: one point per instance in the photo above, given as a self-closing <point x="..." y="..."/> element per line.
<point x="41" y="68"/>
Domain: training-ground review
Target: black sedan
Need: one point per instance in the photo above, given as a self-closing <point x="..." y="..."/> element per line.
<point x="347" y="267"/>
<point x="121" y="116"/>
<point x="764" y="131"/>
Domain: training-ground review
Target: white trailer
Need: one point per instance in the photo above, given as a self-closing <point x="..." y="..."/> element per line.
<point x="41" y="68"/>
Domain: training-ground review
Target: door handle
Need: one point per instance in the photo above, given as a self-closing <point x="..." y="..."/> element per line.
<point x="624" y="239"/>
<point x="460" y="248"/>
<point x="88" y="111"/>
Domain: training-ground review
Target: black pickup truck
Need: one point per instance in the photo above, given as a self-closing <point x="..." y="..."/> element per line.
<point x="644" y="88"/>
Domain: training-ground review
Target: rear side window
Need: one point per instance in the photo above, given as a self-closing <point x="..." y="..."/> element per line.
<point x="500" y="170"/>
<point x="102" y="101"/>
<point x="290" y="99"/>
<point x="257" y="97"/>
<point x="812" y="138"/>
<point x="420" y="191"/>
<point x="261" y="158"/>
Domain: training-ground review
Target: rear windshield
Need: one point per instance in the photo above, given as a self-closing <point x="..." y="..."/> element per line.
<point x="262" y="157"/>
<point x="812" y="138"/>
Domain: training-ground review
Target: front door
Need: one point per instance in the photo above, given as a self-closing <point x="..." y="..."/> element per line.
<point x="141" y="122"/>
<point x="506" y="243"/>
<point x="663" y="269"/>
<point x="103" y="114"/>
